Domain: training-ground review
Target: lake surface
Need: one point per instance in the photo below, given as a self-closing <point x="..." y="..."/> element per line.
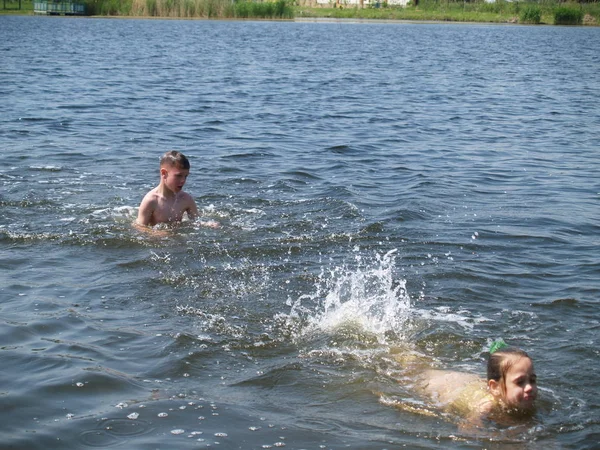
<point x="379" y="186"/>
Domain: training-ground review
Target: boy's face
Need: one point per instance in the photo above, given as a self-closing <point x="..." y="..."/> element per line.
<point x="174" y="177"/>
<point x="521" y="385"/>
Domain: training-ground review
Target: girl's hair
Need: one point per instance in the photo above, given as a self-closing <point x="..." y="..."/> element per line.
<point x="174" y="158"/>
<point x="501" y="361"/>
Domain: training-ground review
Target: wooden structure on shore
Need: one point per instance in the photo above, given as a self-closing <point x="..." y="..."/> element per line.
<point x="59" y="8"/>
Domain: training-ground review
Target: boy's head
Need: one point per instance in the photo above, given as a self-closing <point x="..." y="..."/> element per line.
<point x="512" y="379"/>
<point x="174" y="170"/>
<point x="173" y="158"/>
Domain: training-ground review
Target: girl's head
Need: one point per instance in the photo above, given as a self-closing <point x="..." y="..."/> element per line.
<point x="512" y="379"/>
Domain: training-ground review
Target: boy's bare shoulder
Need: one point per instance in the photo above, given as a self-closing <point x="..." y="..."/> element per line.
<point x="188" y="202"/>
<point x="186" y="196"/>
<point x="151" y="196"/>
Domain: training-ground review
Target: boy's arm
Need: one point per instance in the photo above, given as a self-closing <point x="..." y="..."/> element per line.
<point x="192" y="209"/>
<point x="144" y="218"/>
<point x="193" y="214"/>
<point x="145" y="211"/>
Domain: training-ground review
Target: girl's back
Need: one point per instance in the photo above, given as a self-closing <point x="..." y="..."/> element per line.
<point x="461" y="393"/>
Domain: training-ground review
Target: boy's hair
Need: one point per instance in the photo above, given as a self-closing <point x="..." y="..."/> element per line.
<point x="174" y="158"/>
<point x="501" y="361"/>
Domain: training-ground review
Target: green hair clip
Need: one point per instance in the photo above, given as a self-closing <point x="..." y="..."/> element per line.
<point x="497" y="345"/>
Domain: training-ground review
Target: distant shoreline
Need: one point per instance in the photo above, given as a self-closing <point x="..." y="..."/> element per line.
<point x="406" y="21"/>
<point x="507" y="13"/>
<point x="302" y="20"/>
<point x="294" y="19"/>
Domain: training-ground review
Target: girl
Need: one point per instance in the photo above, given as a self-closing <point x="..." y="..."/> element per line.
<point x="509" y="392"/>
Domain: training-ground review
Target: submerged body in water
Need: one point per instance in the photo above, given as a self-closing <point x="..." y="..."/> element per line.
<point x="507" y="395"/>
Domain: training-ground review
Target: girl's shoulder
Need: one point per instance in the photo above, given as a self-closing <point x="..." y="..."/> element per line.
<point x="460" y="392"/>
<point x="473" y="400"/>
<point x="446" y="385"/>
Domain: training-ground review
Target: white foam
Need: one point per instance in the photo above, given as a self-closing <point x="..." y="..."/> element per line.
<point x="365" y="302"/>
<point x="366" y="297"/>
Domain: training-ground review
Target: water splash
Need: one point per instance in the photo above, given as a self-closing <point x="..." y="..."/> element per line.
<point x="365" y="300"/>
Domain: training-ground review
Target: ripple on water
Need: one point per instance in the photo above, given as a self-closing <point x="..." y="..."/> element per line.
<point x="139" y="425"/>
<point x="111" y="432"/>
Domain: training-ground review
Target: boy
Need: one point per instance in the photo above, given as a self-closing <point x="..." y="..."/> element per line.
<point x="167" y="202"/>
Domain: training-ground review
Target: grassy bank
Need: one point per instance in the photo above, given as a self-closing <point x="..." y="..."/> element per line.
<point x="501" y="11"/>
<point x="542" y="12"/>
<point x="223" y="9"/>
<point x="185" y="9"/>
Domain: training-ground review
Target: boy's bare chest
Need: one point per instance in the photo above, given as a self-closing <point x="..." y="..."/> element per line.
<point x="169" y="210"/>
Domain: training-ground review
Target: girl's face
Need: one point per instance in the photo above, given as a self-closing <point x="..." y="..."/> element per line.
<point x="520" y="385"/>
